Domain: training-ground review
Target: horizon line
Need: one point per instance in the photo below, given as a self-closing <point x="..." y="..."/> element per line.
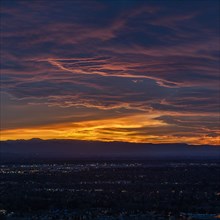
<point x="109" y="141"/>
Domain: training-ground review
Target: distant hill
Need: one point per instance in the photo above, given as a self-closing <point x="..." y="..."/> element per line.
<point x="69" y="149"/>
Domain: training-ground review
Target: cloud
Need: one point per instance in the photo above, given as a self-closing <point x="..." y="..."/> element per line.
<point x="133" y="58"/>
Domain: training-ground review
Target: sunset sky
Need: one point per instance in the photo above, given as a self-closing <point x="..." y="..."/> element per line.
<point x="125" y="70"/>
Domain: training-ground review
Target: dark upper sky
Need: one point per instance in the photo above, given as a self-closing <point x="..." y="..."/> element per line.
<point x="140" y="71"/>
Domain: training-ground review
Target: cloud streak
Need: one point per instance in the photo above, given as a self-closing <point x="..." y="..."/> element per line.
<point x="135" y="59"/>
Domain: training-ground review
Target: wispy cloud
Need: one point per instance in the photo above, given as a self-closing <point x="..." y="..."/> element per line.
<point x="108" y="58"/>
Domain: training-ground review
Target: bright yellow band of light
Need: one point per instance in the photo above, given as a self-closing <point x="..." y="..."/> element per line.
<point x="119" y="129"/>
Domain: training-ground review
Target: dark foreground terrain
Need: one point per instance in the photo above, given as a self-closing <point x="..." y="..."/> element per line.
<point x="110" y="190"/>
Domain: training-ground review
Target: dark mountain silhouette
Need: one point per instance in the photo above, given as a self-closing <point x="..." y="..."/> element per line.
<point x="69" y="149"/>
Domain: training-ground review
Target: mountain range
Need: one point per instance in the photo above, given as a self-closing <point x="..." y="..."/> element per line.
<point x="70" y="149"/>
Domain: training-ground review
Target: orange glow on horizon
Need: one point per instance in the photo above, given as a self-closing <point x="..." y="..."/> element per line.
<point x="136" y="129"/>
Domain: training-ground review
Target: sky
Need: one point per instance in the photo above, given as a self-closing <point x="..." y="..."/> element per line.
<point x="125" y="70"/>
